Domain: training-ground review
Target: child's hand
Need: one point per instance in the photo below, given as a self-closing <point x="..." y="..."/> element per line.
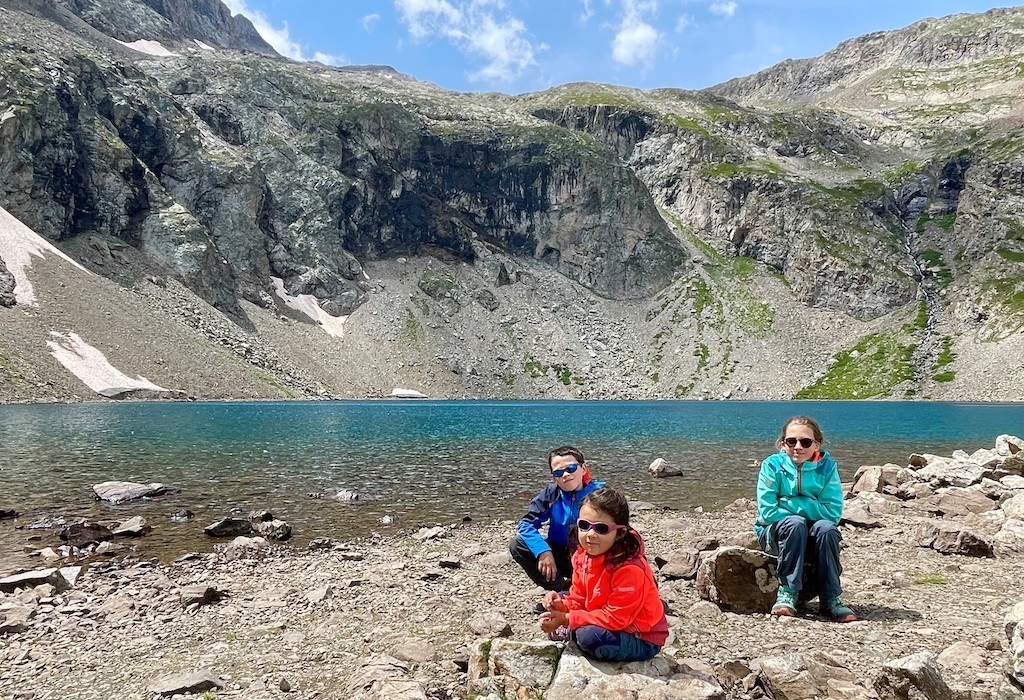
<point x="547" y="567"/>
<point x="554" y="602"/>
<point x="550" y="621"/>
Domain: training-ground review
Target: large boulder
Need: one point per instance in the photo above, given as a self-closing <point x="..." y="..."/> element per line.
<point x="661" y="678"/>
<point x="948" y="538"/>
<point x="876" y="478"/>
<point x="738" y="580"/>
<point x="7" y="284"/>
<point x="122" y="491"/>
<point x="803" y="676"/>
<point x="913" y="676"/>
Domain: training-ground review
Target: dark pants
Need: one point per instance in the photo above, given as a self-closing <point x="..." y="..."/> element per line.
<point x="796" y="541"/>
<point x="606" y="645"/>
<point x="522" y="555"/>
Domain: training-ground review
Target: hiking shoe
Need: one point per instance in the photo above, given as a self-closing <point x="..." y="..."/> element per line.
<point x="559" y="635"/>
<point x="834" y="608"/>
<point x="785" y="602"/>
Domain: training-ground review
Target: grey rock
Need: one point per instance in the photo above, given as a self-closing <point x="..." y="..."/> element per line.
<point x="804" y="676"/>
<point x="489" y="624"/>
<point x="200" y="595"/>
<point x="30" y="579"/>
<point x="123" y="491"/>
<point x="190" y="682"/>
<point x="273" y="529"/>
<point x="383" y="678"/>
<point x="133" y="527"/>
<point x="948" y="538"/>
<point x="918" y="672"/>
<point x="16" y="619"/>
<point x="7" y="284"/>
<point x="660" y="468"/>
<point x="84" y="534"/>
<point x="738" y="580"/>
<point x="229" y="527"/>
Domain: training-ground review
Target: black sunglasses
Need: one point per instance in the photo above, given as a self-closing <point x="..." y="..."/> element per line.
<point x="599" y="528"/>
<point x="804" y="442"/>
<point x="567" y="469"/>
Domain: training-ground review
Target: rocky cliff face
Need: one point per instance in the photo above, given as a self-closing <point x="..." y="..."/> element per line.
<point x="588" y="241"/>
<point x="173" y="22"/>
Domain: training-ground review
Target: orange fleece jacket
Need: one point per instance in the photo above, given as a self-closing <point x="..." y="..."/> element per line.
<point x="621" y="598"/>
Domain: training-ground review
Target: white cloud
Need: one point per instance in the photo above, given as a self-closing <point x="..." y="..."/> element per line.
<point x="636" y="41"/>
<point x="588" y="11"/>
<point x="279" y="37"/>
<point x="471" y="25"/>
<point x="725" y="9"/>
<point x="370" y="21"/>
<point x="427" y="17"/>
<point x="685" y="22"/>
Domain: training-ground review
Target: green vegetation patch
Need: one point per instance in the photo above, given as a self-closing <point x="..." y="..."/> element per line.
<point x="852" y="194"/>
<point x="946" y="221"/>
<point x="946" y="355"/>
<point x="726" y="171"/>
<point x="566" y="375"/>
<point x="1013" y="256"/>
<point x="945" y="376"/>
<point x="937" y="267"/>
<point x="936" y="578"/>
<point x="900" y="173"/>
<point x="872" y="369"/>
<point x="535" y="368"/>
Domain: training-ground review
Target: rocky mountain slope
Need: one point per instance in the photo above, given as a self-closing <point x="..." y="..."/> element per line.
<point x="843" y="227"/>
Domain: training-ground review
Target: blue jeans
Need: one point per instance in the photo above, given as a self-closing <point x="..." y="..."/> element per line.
<point x="606" y="645"/>
<point x="795" y="540"/>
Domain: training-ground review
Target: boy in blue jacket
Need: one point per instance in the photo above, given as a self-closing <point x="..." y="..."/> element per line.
<point x="547" y="559"/>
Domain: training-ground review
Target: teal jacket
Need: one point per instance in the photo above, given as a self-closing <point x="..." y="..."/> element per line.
<point x="812" y="490"/>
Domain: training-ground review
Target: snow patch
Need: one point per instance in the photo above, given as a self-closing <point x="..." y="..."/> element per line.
<point x="310" y="306"/>
<point x="399" y="393"/>
<point x="18" y="243"/>
<point x="153" y="48"/>
<point x="204" y="47"/>
<point x="9" y="114"/>
<point x="91" y="366"/>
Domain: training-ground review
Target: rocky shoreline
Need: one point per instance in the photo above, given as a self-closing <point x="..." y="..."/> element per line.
<point x="931" y="568"/>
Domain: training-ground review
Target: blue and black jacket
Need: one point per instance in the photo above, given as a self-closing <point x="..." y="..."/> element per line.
<point x="560" y="509"/>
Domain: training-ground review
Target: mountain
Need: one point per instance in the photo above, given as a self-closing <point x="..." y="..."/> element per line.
<point x="239" y="225"/>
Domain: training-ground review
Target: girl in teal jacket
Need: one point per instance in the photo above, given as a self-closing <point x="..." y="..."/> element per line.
<point x="799" y="504"/>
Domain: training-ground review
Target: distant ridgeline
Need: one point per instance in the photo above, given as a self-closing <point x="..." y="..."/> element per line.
<point x="846" y="226"/>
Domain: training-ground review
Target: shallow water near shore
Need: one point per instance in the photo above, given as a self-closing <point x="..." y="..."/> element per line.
<point x="419" y="462"/>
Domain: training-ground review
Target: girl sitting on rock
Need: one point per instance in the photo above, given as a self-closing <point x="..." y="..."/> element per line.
<point x="612" y="610"/>
<point x="799" y="503"/>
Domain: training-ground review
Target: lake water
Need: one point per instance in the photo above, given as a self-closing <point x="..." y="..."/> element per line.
<point x="422" y="462"/>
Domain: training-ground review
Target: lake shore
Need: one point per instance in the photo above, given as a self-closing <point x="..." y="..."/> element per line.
<point x="307" y="620"/>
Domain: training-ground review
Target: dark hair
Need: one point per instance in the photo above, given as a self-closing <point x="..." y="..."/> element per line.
<point x="627" y="543"/>
<point x="801" y="420"/>
<point x="566" y="450"/>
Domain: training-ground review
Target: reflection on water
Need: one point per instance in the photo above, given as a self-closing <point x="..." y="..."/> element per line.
<point x="422" y="462"/>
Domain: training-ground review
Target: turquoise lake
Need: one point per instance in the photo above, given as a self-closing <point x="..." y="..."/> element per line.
<point x="422" y="462"/>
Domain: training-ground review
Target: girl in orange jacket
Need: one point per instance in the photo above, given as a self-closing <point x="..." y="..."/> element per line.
<point x="613" y="610"/>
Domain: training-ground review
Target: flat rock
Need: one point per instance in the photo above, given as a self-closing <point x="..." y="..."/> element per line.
<point x="122" y="491"/>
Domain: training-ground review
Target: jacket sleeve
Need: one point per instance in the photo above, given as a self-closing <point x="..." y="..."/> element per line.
<point x="576" y="597"/>
<point x="831" y="498"/>
<point x="768" y="508"/>
<point x="623" y="604"/>
<point x="538" y="512"/>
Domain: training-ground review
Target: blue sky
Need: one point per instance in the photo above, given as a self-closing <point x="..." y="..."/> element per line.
<point x="517" y="46"/>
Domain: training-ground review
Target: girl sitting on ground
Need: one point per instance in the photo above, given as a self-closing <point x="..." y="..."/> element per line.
<point x="799" y="504"/>
<point x="613" y="610"/>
